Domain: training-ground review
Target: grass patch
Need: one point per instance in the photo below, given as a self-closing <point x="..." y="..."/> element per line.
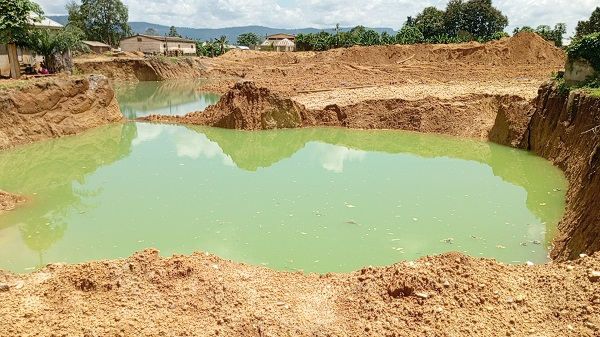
<point x="16" y="84"/>
<point x="594" y="92"/>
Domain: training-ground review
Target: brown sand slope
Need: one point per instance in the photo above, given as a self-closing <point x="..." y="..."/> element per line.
<point x="202" y="295"/>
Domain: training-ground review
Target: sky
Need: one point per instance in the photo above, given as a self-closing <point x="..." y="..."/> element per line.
<point x="325" y="14"/>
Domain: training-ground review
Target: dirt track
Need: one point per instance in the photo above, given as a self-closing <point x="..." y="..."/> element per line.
<point x="446" y="295"/>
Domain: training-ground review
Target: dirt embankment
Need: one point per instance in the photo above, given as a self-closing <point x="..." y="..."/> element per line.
<point x="144" y="69"/>
<point x="203" y="295"/>
<point x="565" y="129"/>
<point x="246" y="107"/>
<point x="53" y="107"/>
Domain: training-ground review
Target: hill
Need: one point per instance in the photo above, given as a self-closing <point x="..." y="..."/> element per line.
<point x="205" y="34"/>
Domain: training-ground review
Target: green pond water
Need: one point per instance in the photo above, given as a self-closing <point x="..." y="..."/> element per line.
<point x="319" y="199"/>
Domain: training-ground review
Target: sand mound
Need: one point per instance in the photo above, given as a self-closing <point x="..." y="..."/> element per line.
<point x="523" y="48"/>
<point x="246" y="107"/>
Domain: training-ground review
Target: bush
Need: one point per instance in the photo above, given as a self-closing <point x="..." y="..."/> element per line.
<point x="409" y="35"/>
<point x="588" y="47"/>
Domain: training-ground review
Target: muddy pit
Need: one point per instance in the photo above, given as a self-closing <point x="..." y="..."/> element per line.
<point x="444" y="295"/>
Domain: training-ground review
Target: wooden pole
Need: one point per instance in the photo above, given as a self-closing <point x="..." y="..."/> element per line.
<point x="13" y="60"/>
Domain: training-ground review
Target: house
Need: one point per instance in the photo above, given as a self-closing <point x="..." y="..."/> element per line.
<point x="280" y="36"/>
<point x="155" y="44"/>
<point x="285" y="45"/>
<point x="97" y="47"/>
<point x="280" y="42"/>
<point x="25" y="57"/>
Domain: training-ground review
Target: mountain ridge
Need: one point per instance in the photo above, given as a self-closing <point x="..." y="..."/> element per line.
<point x="205" y="34"/>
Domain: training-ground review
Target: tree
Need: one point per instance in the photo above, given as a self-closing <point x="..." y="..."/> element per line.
<point x="221" y="42"/>
<point x="409" y="35"/>
<point x="546" y="32"/>
<point x="430" y="22"/>
<point x="590" y="26"/>
<point x="454" y="18"/>
<point x="151" y="31"/>
<point x="15" y="23"/>
<point x="55" y="46"/>
<point x="386" y="38"/>
<point x="101" y="20"/>
<point x="248" y="39"/>
<point x="482" y="20"/>
<point x="173" y="32"/>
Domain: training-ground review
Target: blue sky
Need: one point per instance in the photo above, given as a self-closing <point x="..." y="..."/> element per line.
<point x="324" y="14"/>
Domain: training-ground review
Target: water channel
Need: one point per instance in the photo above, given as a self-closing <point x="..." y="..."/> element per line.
<point x="319" y="199"/>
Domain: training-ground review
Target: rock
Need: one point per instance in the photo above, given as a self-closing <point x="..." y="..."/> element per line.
<point x="594" y="276"/>
<point x="519" y="299"/>
<point x="422" y="295"/>
<point x="4" y="287"/>
<point x="446" y="284"/>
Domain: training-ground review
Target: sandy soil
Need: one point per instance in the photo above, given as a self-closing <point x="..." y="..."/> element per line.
<point x="445" y="295"/>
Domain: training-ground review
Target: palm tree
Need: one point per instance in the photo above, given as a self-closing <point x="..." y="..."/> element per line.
<point x="53" y="45"/>
<point x="222" y="42"/>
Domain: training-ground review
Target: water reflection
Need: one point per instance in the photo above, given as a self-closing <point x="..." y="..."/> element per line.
<point x="50" y="175"/>
<point x="163" y="97"/>
<point x="264" y="197"/>
<point x="321" y="199"/>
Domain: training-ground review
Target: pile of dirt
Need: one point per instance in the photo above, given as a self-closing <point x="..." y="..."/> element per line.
<point x="203" y="295"/>
<point x="246" y="107"/>
<point x="9" y="201"/>
<point x="53" y="107"/>
<point x="522" y="49"/>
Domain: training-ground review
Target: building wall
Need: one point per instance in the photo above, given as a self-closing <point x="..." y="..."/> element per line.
<point x="147" y="45"/>
<point x="24" y="57"/>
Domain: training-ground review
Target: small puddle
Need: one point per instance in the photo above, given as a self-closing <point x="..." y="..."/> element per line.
<point x="321" y="199"/>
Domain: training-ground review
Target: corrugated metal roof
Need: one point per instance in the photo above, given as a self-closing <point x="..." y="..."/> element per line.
<point x="161" y="38"/>
<point x="95" y="44"/>
<point x="45" y="23"/>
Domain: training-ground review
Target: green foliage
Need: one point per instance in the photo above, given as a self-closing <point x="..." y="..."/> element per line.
<point x="212" y="47"/>
<point x="151" y="31"/>
<point x="499" y="35"/>
<point x="482" y="19"/>
<point x="47" y="42"/>
<point x="248" y="39"/>
<point x="15" y="21"/>
<point x="409" y="35"/>
<point x="173" y="32"/>
<point x="590" y="26"/>
<point x="369" y="38"/>
<point x="461" y="21"/>
<point x="546" y="32"/>
<point x="587" y="47"/>
<point x="101" y="20"/>
<point x="386" y="38"/>
<point x="430" y="22"/>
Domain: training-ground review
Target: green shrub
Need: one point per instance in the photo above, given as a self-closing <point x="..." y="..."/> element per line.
<point x="588" y="47"/>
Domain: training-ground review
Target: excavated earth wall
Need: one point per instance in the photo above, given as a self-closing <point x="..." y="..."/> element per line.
<point x="565" y="129"/>
<point x="147" y="69"/>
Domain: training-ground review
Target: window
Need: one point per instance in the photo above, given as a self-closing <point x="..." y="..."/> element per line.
<point x="179" y="46"/>
<point x="139" y="39"/>
<point x="192" y="46"/>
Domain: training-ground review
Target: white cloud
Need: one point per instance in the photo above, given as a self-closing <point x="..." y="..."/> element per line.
<point x="192" y="144"/>
<point x="333" y="157"/>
